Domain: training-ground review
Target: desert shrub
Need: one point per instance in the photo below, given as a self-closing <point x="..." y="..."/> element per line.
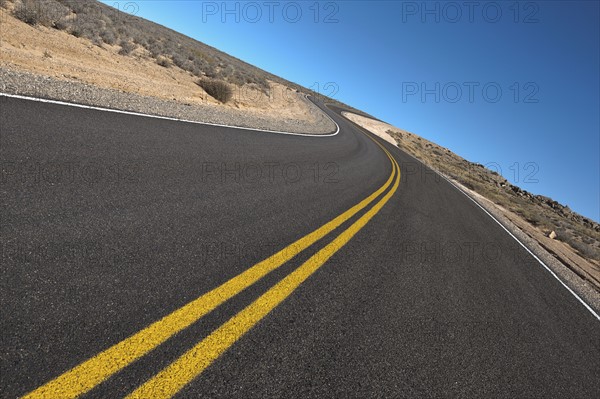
<point x="532" y="217"/>
<point x="188" y="66"/>
<point x="587" y="240"/>
<point x="77" y="30"/>
<point x="202" y="65"/>
<point x="163" y="61"/>
<point x="585" y="250"/>
<point x="140" y="41"/>
<point x="394" y="134"/>
<point x="108" y="36"/>
<point x="123" y="31"/>
<point x="78" y="7"/>
<point x="28" y="12"/>
<point x="84" y="27"/>
<point x="168" y="47"/>
<point x="217" y="89"/>
<point x="195" y="71"/>
<point x="154" y="47"/>
<point x="61" y="24"/>
<point x="211" y="73"/>
<point x="97" y="41"/>
<point x="467" y="184"/>
<point x="261" y="81"/>
<point x="126" y="47"/>
<point x="236" y="78"/>
<point x="179" y="60"/>
<point x="51" y="13"/>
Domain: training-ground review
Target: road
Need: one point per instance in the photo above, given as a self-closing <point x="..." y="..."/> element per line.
<point x="151" y="258"/>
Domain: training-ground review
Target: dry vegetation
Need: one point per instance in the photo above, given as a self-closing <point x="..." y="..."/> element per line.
<point x="85" y="41"/>
<point x="536" y="215"/>
<point x="41" y="48"/>
<point x="216" y="89"/>
<point x="104" y="25"/>
<point x="107" y="27"/>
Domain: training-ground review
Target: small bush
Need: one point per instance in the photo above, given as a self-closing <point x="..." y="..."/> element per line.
<point x="216" y="89"/>
<point x="179" y="61"/>
<point x="237" y="78"/>
<point x="163" y="61"/>
<point x="51" y="13"/>
<point x="195" y="71"/>
<point x="587" y="251"/>
<point x="395" y="135"/>
<point x="154" y="47"/>
<point x="97" y="41"/>
<point x="75" y="31"/>
<point x="61" y="24"/>
<point x="108" y="37"/>
<point x="126" y="47"/>
<point x="140" y="41"/>
<point x="28" y="13"/>
<point x="84" y="28"/>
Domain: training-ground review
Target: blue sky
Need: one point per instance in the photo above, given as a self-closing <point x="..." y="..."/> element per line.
<point x="514" y="85"/>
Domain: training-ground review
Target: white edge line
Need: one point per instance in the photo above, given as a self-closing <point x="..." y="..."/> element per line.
<point x="304" y="135"/>
<point x="588" y="307"/>
<point x="117" y="111"/>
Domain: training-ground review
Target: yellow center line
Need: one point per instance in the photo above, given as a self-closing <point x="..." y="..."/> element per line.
<point x="174" y="377"/>
<point x="90" y="373"/>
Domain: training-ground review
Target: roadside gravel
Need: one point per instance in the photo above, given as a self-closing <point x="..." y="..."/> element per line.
<point x="34" y="85"/>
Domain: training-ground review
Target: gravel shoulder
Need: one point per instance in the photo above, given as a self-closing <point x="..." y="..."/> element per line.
<point x="35" y="85"/>
<point x="556" y="256"/>
<point x="40" y="61"/>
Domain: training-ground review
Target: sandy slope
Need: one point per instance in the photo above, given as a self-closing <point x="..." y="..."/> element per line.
<point x="54" y="53"/>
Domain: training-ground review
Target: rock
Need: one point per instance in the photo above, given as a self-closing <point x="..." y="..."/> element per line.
<point x="552" y="235"/>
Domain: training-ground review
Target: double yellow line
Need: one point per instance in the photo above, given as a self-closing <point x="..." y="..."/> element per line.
<point x="173" y="378"/>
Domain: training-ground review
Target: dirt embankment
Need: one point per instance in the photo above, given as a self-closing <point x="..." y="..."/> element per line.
<point x="46" y="62"/>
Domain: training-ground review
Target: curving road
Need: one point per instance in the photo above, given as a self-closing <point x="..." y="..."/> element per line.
<point x="149" y="258"/>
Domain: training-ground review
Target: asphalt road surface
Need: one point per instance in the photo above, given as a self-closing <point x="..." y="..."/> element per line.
<point x="153" y="258"/>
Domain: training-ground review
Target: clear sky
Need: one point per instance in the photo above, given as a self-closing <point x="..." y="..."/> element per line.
<point x="513" y="85"/>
